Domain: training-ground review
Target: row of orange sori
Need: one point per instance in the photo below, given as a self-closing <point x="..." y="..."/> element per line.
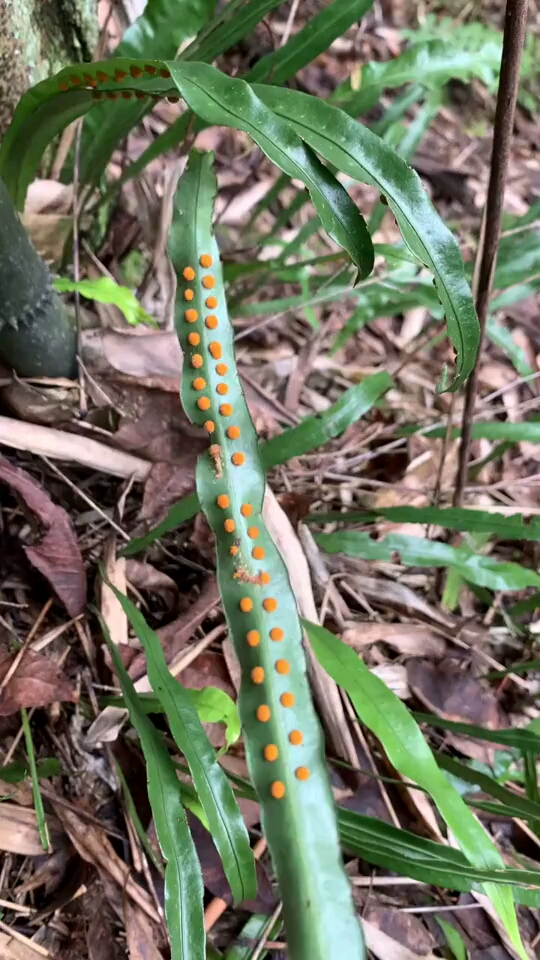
<point x="253" y="637"/>
<point x="93" y="80"/>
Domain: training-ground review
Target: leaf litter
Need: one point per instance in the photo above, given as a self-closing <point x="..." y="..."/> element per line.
<point x="133" y="458"/>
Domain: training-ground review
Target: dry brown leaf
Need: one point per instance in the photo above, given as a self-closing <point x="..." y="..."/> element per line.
<point x="141" y="934"/>
<point x="36" y="682"/>
<point x="111" y="609"/>
<point x="144" y="576"/>
<point x="452" y="694"/>
<point x="19" y="832"/>
<point x="409" y="639"/>
<point x="385" y="947"/>
<point x="167" y="483"/>
<point x="405" y="928"/>
<point x="56" y="555"/>
<point x="15" y="946"/>
<point x="49" y="233"/>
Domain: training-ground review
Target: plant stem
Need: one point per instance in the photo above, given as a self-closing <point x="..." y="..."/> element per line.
<point x="514" y="36"/>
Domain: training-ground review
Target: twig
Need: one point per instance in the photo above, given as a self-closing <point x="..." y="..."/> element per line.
<point x="514" y="36"/>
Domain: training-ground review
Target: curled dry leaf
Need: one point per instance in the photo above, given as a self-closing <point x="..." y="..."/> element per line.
<point x="36" y="682"/>
<point x="408" y="639"/>
<point x="56" y="552"/>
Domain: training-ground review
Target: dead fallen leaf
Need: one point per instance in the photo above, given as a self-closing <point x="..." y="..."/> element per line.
<point x="19" y="830"/>
<point x="56" y="555"/>
<point x="141" y="934"/>
<point x="167" y="483"/>
<point x="405" y="928"/>
<point x="452" y="694"/>
<point x="409" y="639"/>
<point x="144" y="576"/>
<point x="37" y="682"/>
<point x="383" y="946"/>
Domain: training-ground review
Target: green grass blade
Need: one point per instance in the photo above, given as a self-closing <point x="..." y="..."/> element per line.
<point x="453" y="939"/>
<point x="358" y="152"/>
<point x="521" y="806"/>
<point x="529" y="431"/>
<point x="259" y="927"/>
<point x="475" y="568"/>
<point x="519" y="738"/>
<point x="514" y="527"/>
<point x="217" y="798"/>
<point x="183" y="878"/>
<point x="34" y="775"/>
<point x="234" y="21"/>
<point x="388" y="718"/>
<point x="309" y="434"/>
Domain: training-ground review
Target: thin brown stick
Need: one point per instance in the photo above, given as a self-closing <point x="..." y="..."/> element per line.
<point x="514" y="36"/>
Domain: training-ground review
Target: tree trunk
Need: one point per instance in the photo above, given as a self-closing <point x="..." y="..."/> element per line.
<point x="37" y="38"/>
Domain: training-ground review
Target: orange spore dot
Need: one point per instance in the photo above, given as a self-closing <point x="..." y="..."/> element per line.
<point x="226" y="410"/>
<point x="277" y="789"/>
<point x="194" y="339"/>
<point x="246" y="509"/>
<point x="188" y="273"/>
<point x="271" y="752"/>
<point x="263" y="713"/>
<point x="238" y="459"/>
<point x="277" y="634"/>
<point x="229" y="526"/>
<point x="197" y="361"/>
<point x="287" y="699"/>
<point x="302" y="773"/>
<point x="140" y="95"/>
<point x="102" y="77"/>
<point x="257" y="553"/>
<point x="215" y="349"/>
<point x="191" y="316"/>
<point x="75" y="80"/>
<point x="211" y="321"/>
<point x="63" y="87"/>
<point x="120" y="75"/>
<point x="209" y="426"/>
<point x="270" y="604"/>
<point x="165" y="74"/>
<point x="208" y="281"/>
<point x="222" y="389"/>
<point x="126" y="94"/>
<point x="253" y="532"/>
<point x="283" y="667"/>
<point x="253" y="638"/>
<point x="221" y="369"/>
<point x="211" y="303"/>
<point x="233" y="550"/>
<point x="246" y="603"/>
<point x="296" y="737"/>
<point x="135" y="72"/>
<point x="188" y="294"/>
<point x="91" y="81"/>
<point x="111" y="95"/>
<point x="233" y="433"/>
<point x="265" y="577"/>
<point x="223" y="501"/>
<point x="257" y="675"/>
<point x="150" y="68"/>
<point x="205" y="260"/>
<point x="199" y="383"/>
<point x="203" y="403"/>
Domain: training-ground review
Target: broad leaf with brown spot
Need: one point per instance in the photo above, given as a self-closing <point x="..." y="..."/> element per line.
<point x="55" y="552"/>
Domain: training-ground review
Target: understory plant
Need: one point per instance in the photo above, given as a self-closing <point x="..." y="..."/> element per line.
<point x="313" y="142"/>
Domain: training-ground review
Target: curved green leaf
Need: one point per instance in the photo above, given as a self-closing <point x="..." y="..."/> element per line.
<point x="183" y="879"/>
<point x="514" y="527"/>
<point x="419" y="552"/>
<point x="211" y="95"/>
<point x="217" y="799"/>
<point x="215" y="706"/>
<point x="388" y="718"/>
<point x="358" y="152"/>
<point x="107" y="290"/>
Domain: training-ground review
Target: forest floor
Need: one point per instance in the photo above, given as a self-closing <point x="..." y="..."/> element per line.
<point x="102" y="464"/>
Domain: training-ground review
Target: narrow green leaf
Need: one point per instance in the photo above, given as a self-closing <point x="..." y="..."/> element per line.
<point x="315" y="38"/>
<point x="106" y="290"/>
<point x="388" y="718"/>
<point x="419" y="552"/>
<point x="522" y="806"/>
<point x="219" y="804"/>
<point x="258" y="928"/>
<point x="453" y="939"/>
<point x="514" y="527"/>
<point x="18" y="770"/>
<point x="522" y="739"/>
<point x="183" y="878"/>
<point x="309" y="434"/>
<point x="160" y="31"/>
<point x="358" y="152"/>
<point x="36" y="792"/>
<point x="528" y="431"/>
